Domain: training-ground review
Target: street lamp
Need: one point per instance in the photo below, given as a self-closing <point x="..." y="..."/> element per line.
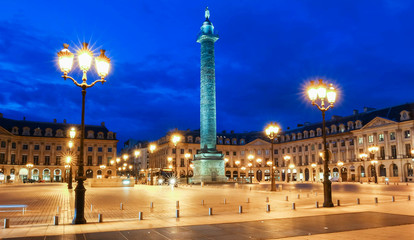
<point x="29" y="165"/>
<point x="175" y="139"/>
<point x="187" y="156"/>
<point x="373" y="150"/>
<point x="287" y="160"/>
<point x="152" y="148"/>
<point x="291" y="166"/>
<point x="324" y="93"/>
<point x="244" y="170"/>
<point x="72" y="135"/>
<point x="237" y="165"/>
<point x="136" y="154"/>
<point x="102" y="63"/>
<point x="250" y="169"/>
<point x="69" y="164"/>
<point x="125" y="157"/>
<point x="271" y="131"/>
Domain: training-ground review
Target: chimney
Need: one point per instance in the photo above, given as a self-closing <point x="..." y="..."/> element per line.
<point x="232" y="131"/>
<point x="24" y="118"/>
<point x="54" y="120"/>
<point x="64" y="121"/>
<point x="224" y="131"/>
<point x="1" y="115"/>
<point x="300" y="125"/>
<point x="103" y="124"/>
<point x="355" y="112"/>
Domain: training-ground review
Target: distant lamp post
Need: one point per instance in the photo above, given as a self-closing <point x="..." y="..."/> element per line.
<point x="112" y="162"/>
<point x="250" y="169"/>
<point x="373" y="150"/>
<point x="287" y="162"/>
<point x="175" y="139"/>
<point x="137" y="153"/>
<point x="29" y="166"/>
<point x="125" y="156"/>
<point x="118" y="160"/>
<point x="72" y="135"/>
<point x="102" y="63"/>
<point x="271" y="131"/>
<point x="237" y="165"/>
<point x="324" y="93"/>
<point x="313" y="165"/>
<point x="152" y="148"/>
<point x="244" y="170"/>
<point x="69" y="164"/>
<point x="187" y="156"/>
<point x="291" y="166"/>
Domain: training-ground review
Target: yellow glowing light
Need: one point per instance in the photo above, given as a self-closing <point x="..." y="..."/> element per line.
<point x="102" y="64"/>
<point x="191" y="165"/>
<point x="175" y="139"/>
<point x="123" y="168"/>
<point x="119" y="169"/>
<point x="373" y="149"/>
<point x="237" y="162"/>
<point x="374" y="161"/>
<point x="259" y="160"/>
<point x="226" y="160"/>
<point x="313" y="165"/>
<point x="118" y="160"/>
<point x="85" y="57"/>
<point x="321" y="90"/>
<point x="187" y="155"/>
<point x="112" y="162"/>
<point x="243" y="168"/>
<point x="65" y="59"/>
<point x="286" y="157"/>
<point x="331" y="94"/>
<point x="169" y="159"/>
<point x="70" y="144"/>
<point x="102" y="167"/>
<point x="72" y="133"/>
<point x="269" y="163"/>
<point x="272" y="130"/>
<point x="130" y="166"/>
<point x="249" y="164"/>
<point x="340" y="163"/>
<point x="137" y="153"/>
<point x="291" y="165"/>
<point x="250" y="157"/>
<point x="68" y="159"/>
<point x="170" y="166"/>
<point x="152" y="148"/>
<point x="29" y="165"/>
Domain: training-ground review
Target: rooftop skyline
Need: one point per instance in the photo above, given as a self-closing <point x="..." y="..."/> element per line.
<point x="265" y="55"/>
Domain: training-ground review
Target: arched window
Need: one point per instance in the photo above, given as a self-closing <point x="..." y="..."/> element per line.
<point x="333" y="128"/>
<point x="100" y="135"/>
<point x="110" y="135"/>
<point x="318" y="132"/>
<point x="59" y="133"/>
<point x="37" y="132"/>
<point x="293" y="136"/>
<point x="358" y="124"/>
<point x="26" y="131"/>
<point x="341" y="128"/>
<point x="305" y="134"/>
<point x="234" y="141"/>
<point x="190" y="139"/>
<point x="15" y="130"/>
<point x="242" y="141"/>
<point x="91" y="134"/>
<point x="220" y="140"/>
<point x="350" y="125"/>
<point x="48" y="132"/>
<point x="227" y="141"/>
<point x="299" y="135"/>
<point x="312" y="133"/>
<point x="197" y="139"/>
<point x="404" y="115"/>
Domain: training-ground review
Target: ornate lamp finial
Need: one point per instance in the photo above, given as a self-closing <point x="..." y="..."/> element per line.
<point x="207" y="14"/>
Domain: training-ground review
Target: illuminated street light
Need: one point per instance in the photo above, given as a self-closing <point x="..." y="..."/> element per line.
<point x="324" y="93"/>
<point x="152" y="148"/>
<point x="29" y="165"/>
<point x="118" y="160"/>
<point x="187" y="156"/>
<point x="65" y="60"/>
<point x="71" y="144"/>
<point x="175" y="139"/>
<point x="237" y="162"/>
<point x="137" y="153"/>
<point x="250" y="169"/>
<point x="112" y="162"/>
<point x="291" y="166"/>
<point x="373" y="150"/>
<point x="271" y="131"/>
<point x="125" y="157"/>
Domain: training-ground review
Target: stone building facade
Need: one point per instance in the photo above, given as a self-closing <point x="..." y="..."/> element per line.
<point x="390" y="129"/>
<point x="45" y="145"/>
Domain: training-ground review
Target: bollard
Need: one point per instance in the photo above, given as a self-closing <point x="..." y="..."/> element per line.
<point x="91" y="207"/>
<point x="268" y="208"/>
<point x="151" y="205"/>
<point x="56" y="220"/>
<point x="376" y="200"/>
<point x="298" y="196"/>
<point x="240" y="209"/>
<point x="287" y="198"/>
<point x="358" y="201"/>
<point x="250" y="188"/>
<point x="293" y="206"/>
<point x="202" y="202"/>
<point x="121" y="206"/>
<point x="140" y="216"/>
<point x="177" y="204"/>
<point x="210" y="211"/>
<point x="316" y="204"/>
<point x="6" y="223"/>
<point x="224" y="201"/>
<point x="100" y="217"/>
<point x="409" y="197"/>
<point x="177" y="213"/>
<point x="393" y="198"/>
<point x="248" y="200"/>
<point x="267" y="199"/>
<point x="338" y="203"/>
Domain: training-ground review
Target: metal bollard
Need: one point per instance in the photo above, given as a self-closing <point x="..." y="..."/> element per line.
<point x="121" y="206"/>
<point x="293" y="206"/>
<point x="287" y="198"/>
<point x="338" y="202"/>
<point x="409" y="197"/>
<point x="393" y="198"/>
<point x="177" y="204"/>
<point x="268" y="208"/>
<point x="56" y="220"/>
<point x="177" y="213"/>
<point x="267" y="199"/>
<point x="240" y="209"/>
<point x="298" y="196"/>
<point x="100" y="217"/>
<point x="140" y="216"/>
<point x="248" y="200"/>
<point x="358" y="201"/>
<point x="376" y="200"/>
<point x="6" y="223"/>
<point x="151" y="205"/>
<point x="317" y="204"/>
<point x="202" y="202"/>
<point x="210" y="211"/>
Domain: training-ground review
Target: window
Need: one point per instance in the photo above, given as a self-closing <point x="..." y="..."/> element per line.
<point x="173" y="151"/>
<point x="394" y="151"/>
<point x="59" y="133"/>
<point x="181" y="151"/>
<point x="26" y="131"/>
<point x="24" y="159"/>
<point x="2" y="158"/>
<point x="306" y="159"/>
<point x="351" y="142"/>
<point x="371" y="138"/>
<point x="259" y="152"/>
<point x="14" y="145"/>
<point x="47" y="147"/>
<point x="36" y="160"/>
<point x="182" y="162"/>
<point x="47" y="160"/>
<point x="300" y="149"/>
<point x="99" y="149"/>
<point x="242" y="142"/>
<point x="99" y="160"/>
<point x="110" y="135"/>
<point x="58" y="158"/>
<point x="90" y="149"/>
<point x="392" y="136"/>
<point x="13" y="159"/>
<point x="234" y="153"/>
<point x="48" y="132"/>
<point x="360" y="140"/>
<point x="382" y="152"/>
<point x="381" y="137"/>
<point x="342" y="143"/>
<point x="294" y="149"/>
<point x="37" y="132"/>
<point x="227" y="153"/>
<point x="100" y="135"/>
<point x="190" y="150"/>
<point x="36" y="147"/>
<point x="408" y="150"/>
<point x="407" y="134"/>
<point x="3" y="144"/>
<point x="58" y="147"/>
<point x="242" y="153"/>
<point x="288" y="150"/>
<point x="109" y="149"/>
<point x="91" y="134"/>
<point x="334" y="144"/>
<point x="313" y="147"/>
<point x="89" y="161"/>
<point x="306" y="148"/>
<point x="25" y="146"/>
<point x="15" y="130"/>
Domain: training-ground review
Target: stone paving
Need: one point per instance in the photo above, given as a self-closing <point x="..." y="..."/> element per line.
<point x="43" y="201"/>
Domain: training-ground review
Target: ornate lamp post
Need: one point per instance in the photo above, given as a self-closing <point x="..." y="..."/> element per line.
<point x="29" y="165"/>
<point x="287" y="160"/>
<point x="187" y="156"/>
<point x="72" y="135"/>
<point x="175" y="139"/>
<point x="271" y="131"/>
<point x="102" y="167"/>
<point x="244" y="170"/>
<point x="102" y="63"/>
<point x="237" y="165"/>
<point x="373" y="150"/>
<point x="69" y="163"/>
<point x="291" y="166"/>
<point x="250" y="169"/>
<point x="270" y="164"/>
<point x="152" y="148"/>
<point x="136" y="154"/>
<point x="363" y="157"/>
<point x="324" y="93"/>
<point x="313" y="165"/>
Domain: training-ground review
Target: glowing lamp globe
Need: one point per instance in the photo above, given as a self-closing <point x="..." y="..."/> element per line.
<point x="85" y="57"/>
<point x="65" y="59"/>
<point x="102" y="64"/>
<point x="312" y="92"/>
<point x="331" y="94"/>
<point x="72" y="133"/>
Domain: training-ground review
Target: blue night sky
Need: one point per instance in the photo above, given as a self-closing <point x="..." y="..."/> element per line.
<point x="266" y="52"/>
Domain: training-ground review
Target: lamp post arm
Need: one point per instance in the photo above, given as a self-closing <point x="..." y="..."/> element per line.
<point x="71" y="78"/>
<point x="99" y="80"/>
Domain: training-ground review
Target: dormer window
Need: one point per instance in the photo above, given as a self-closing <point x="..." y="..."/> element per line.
<point x="358" y="124"/>
<point x="293" y="136"/>
<point x="234" y="141"/>
<point x="227" y="141"/>
<point x="110" y="135"/>
<point x="48" y="132"/>
<point x="305" y="134"/>
<point x="404" y="115"/>
<point x="287" y="137"/>
<point x="197" y="139"/>
<point x="91" y="134"/>
<point x="37" y="132"/>
<point x="190" y="139"/>
<point x="350" y="125"/>
<point x="26" y="131"/>
<point x="59" y="133"/>
<point x="299" y="135"/>
<point x="220" y="141"/>
<point x="333" y="129"/>
<point x="15" y="130"/>
<point x="318" y="132"/>
<point x="342" y="128"/>
<point x="312" y="133"/>
<point x="100" y="135"/>
<point x="242" y="142"/>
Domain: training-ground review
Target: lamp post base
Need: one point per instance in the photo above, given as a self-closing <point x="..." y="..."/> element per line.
<point x="327" y="193"/>
<point x="79" y="216"/>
